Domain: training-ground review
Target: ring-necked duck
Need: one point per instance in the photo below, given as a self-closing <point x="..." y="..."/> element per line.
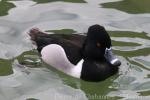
<point x="87" y="57"/>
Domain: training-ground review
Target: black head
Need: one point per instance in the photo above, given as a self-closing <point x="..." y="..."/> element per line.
<point x="96" y="42"/>
<point x="95" y="30"/>
<point x="98" y="34"/>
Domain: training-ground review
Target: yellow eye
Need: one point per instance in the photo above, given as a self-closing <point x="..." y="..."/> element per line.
<point x="98" y="44"/>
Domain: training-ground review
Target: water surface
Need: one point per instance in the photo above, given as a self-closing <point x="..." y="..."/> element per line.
<point x="23" y="75"/>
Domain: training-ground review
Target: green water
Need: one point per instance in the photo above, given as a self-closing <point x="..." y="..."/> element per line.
<point x="22" y="72"/>
<point x="5" y="7"/>
<point x="62" y="31"/>
<point x="130" y="6"/>
<point x="46" y="1"/>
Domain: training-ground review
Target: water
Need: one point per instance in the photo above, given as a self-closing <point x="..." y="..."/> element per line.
<point x="23" y="76"/>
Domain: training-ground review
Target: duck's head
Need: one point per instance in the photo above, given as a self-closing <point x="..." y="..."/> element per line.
<point x="97" y="34"/>
<point x="96" y="42"/>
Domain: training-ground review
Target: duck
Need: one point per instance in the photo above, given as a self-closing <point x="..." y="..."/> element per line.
<point x="88" y="57"/>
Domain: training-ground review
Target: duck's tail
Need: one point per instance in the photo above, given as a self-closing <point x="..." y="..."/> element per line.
<point x="39" y="38"/>
<point x="34" y="33"/>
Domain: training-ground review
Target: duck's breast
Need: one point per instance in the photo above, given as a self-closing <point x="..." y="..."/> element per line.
<point x="97" y="70"/>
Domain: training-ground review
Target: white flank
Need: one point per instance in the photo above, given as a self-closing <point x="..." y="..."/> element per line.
<point x="55" y="56"/>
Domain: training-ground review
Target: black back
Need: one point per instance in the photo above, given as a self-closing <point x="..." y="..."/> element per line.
<point x="71" y="44"/>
